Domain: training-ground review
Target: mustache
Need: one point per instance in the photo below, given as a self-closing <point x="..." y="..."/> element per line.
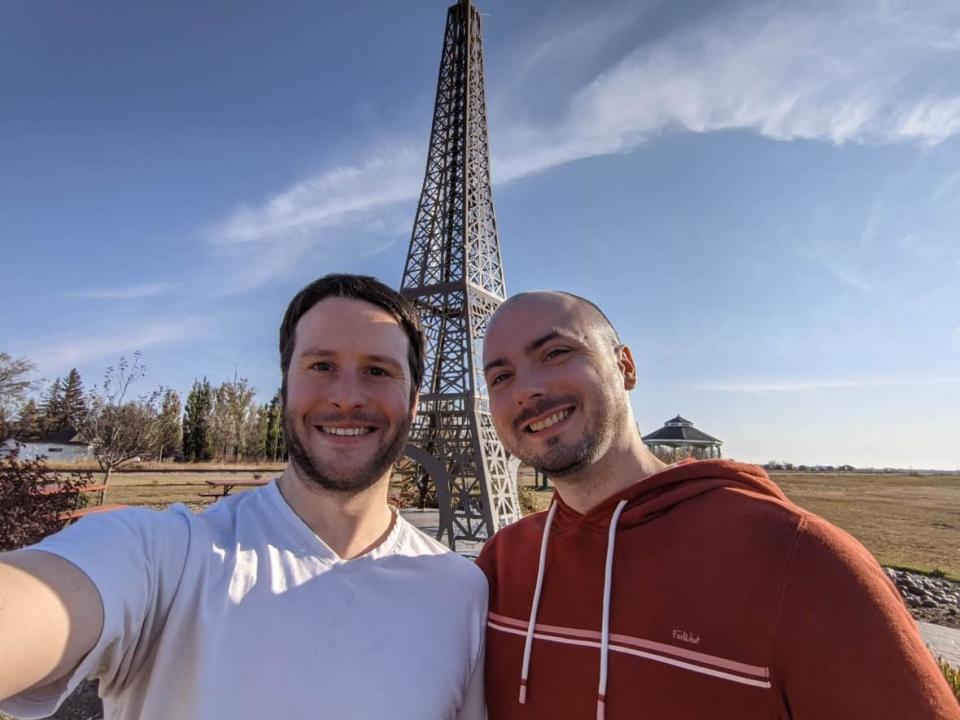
<point x="357" y="418"/>
<point x="542" y="406"/>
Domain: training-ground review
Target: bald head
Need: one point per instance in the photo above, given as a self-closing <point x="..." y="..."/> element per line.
<point x="590" y="317"/>
<point x="558" y="380"/>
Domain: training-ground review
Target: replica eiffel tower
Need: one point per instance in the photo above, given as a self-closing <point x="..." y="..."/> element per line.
<point x="454" y="275"/>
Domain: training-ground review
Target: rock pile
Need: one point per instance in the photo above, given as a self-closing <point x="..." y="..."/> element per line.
<point x="930" y="598"/>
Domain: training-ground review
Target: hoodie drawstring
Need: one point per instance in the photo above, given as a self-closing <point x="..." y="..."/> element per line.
<point x="528" y="645"/>
<point x="605" y="624"/>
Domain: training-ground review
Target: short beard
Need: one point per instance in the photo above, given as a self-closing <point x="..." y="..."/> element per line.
<point x="567" y="461"/>
<point x="309" y="468"/>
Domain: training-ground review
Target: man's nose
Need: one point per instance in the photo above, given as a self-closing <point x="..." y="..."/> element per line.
<point x="347" y="391"/>
<point x="527" y="387"/>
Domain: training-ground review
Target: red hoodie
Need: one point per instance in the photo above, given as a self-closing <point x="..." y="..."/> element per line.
<point x="724" y="600"/>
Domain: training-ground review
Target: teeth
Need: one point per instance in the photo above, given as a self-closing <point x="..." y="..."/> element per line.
<point x="346" y="431"/>
<point x="552" y="420"/>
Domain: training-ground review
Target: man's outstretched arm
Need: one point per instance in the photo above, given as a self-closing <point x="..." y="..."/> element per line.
<point x="51" y="616"/>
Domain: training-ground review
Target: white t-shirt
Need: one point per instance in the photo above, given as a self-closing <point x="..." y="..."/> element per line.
<point x="243" y="612"/>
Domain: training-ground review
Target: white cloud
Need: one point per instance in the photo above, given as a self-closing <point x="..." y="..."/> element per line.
<point x="60" y="354"/>
<point x="813" y="384"/>
<point x="336" y="197"/>
<point x="861" y="71"/>
<point x="858" y="71"/>
<point x="123" y="293"/>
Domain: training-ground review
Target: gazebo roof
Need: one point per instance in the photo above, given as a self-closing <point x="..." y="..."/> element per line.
<point x="680" y="431"/>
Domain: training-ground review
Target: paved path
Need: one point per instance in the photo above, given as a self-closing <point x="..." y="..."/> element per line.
<point x="943" y="641"/>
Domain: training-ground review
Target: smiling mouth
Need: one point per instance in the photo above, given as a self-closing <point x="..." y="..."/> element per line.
<point x="548" y="422"/>
<point x="345" y="431"/>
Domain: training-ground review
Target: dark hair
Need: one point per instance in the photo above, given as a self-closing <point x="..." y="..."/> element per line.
<point x="358" y="287"/>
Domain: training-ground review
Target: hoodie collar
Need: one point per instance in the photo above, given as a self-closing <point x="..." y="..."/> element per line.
<point x="659" y="492"/>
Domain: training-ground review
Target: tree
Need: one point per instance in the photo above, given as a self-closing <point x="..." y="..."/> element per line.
<point x="256" y="433"/>
<point x="118" y="429"/>
<point x="52" y="407"/>
<point x="274" y="448"/>
<point x="196" y="422"/>
<point x="74" y="409"/>
<point x="232" y="406"/>
<point x="171" y="434"/>
<point x="238" y="396"/>
<point x="29" y="426"/>
<point x="14" y="386"/>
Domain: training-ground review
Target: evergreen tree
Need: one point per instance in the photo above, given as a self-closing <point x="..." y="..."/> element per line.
<point x="196" y="422"/>
<point x="52" y="407"/>
<point x="29" y="426"/>
<point x="74" y="410"/>
<point x="273" y="437"/>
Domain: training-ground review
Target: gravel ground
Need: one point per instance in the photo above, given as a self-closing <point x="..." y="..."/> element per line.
<point x="930" y="598"/>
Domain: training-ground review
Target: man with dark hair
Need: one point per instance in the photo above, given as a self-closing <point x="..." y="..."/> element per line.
<point x="693" y="591"/>
<point x="308" y="598"/>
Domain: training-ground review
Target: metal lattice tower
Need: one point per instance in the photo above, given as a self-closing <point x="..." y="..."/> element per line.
<point x="454" y="275"/>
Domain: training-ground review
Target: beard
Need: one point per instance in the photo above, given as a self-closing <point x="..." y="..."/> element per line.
<point x="564" y="459"/>
<point x="311" y="467"/>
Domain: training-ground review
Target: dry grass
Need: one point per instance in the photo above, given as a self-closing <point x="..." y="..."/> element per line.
<point x="156" y="489"/>
<point x="906" y="521"/>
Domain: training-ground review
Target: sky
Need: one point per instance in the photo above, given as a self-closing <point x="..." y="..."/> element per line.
<point x="763" y="196"/>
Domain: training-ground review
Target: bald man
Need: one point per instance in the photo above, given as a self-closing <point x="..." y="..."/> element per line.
<point x="690" y="591"/>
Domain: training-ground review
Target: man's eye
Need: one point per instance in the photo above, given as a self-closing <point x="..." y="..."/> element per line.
<point x="379" y="372"/>
<point x="321" y="366"/>
<point x="555" y="352"/>
<point x="499" y="377"/>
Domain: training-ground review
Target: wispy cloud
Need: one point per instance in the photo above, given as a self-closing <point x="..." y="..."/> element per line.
<point x="862" y="71"/>
<point x="59" y="354"/>
<point x="858" y="71"/>
<point x="813" y="384"/>
<point x="123" y="293"/>
<point x="342" y="195"/>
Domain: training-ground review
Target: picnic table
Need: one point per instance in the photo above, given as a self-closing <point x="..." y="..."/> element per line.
<point x="226" y="486"/>
<point x="69" y="515"/>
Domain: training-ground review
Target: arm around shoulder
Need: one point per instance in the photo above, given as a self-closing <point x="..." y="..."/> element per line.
<point x="51" y="616"/>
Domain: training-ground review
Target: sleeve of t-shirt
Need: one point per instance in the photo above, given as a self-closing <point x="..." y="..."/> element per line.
<point x="135" y="559"/>
<point x="845" y="644"/>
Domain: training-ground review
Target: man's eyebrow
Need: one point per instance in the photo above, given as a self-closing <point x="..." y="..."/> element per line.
<point x="316" y="351"/>
<point x="322" y="352"/>
<point x="499" y="362"/>
<point x="386" y="360"/>
<point x="532" y="346"/>
<point x="542" y="340"/>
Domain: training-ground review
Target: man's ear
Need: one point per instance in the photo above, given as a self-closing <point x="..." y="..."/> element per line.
<point x="628" y="368"/>
<point x="415" y="407"/>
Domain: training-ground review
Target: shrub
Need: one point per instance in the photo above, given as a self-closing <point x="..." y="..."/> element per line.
<point x="952" y="675"/>
<point x="29" y="511"/>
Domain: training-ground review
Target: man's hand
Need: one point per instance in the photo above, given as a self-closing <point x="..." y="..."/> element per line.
<point x="51" y="616"/>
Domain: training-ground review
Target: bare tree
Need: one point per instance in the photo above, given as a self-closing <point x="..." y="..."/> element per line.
<point x="120" y="429"/>
<point x="14" y="386"/>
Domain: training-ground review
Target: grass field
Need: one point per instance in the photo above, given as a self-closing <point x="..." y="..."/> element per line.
<point x="906" y="521"/>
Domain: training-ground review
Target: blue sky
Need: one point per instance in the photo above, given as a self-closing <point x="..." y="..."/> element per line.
<point x="764" y="197"/>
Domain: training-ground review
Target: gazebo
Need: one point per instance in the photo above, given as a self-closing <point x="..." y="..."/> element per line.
<point x="678" y="438"/>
